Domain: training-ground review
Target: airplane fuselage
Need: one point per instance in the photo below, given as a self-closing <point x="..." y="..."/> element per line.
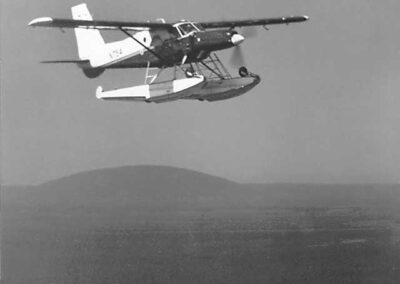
<point x="170" y="49"/>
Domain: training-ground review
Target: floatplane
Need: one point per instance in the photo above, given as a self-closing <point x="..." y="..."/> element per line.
<point x="186" y="48"/>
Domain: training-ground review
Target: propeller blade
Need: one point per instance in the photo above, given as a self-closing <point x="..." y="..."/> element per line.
<point x="237" y="58"/>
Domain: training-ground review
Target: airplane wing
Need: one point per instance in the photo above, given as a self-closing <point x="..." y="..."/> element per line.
<point x="116" y="25"/>
<point x="255" y="22"/>
<point x="98" y="25"/>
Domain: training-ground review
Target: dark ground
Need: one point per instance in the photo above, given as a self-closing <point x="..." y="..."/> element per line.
<point x="45" y="242"/>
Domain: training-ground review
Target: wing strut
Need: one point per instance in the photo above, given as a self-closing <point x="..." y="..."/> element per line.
<point x="212" y="70"/>
<point x="148" y="49"/>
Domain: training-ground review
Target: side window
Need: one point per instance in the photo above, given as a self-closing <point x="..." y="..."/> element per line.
<point x="186" y="29"/>
<point x="182" y="30"/>
<point x="199" y="27"/>
<point x="178" y="32"/>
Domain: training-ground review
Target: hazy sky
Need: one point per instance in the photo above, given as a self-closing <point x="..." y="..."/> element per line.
<point x="327" y="109"/>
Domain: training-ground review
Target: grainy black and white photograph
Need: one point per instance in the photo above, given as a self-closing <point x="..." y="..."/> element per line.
<point x="200" y="141"/>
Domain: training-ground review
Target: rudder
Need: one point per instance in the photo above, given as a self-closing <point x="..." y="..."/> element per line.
<point x="88" y="40"/>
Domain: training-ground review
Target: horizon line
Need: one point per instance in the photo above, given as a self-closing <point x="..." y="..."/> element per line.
<point x="200" y="172"/>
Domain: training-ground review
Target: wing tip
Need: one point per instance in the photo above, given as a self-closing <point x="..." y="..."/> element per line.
<point x="40" y="21"/>
<point x="302" y="18"/>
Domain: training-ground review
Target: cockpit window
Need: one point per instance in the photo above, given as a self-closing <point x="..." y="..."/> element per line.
<point x="187" y="28"/>
<point x="198" y="26"/>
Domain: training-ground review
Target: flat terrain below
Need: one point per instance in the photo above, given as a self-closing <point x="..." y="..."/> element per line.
<point x="294" y="236"/>
<point x="302" y="245"/>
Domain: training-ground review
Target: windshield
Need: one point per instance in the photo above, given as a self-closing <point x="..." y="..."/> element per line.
<point x="198" y="26"/>
<point x="186" y="28"/>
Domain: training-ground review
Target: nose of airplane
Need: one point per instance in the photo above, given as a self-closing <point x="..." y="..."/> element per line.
<point x="237" y="39"/>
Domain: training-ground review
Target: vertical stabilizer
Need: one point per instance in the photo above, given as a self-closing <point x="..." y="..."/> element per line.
<point x="88" y="40"/>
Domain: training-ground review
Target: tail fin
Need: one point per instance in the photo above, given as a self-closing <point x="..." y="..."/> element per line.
<point x="88" y="40"/>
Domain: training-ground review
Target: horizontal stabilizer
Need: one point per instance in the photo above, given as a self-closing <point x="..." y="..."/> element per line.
<point x="64" y="61"/>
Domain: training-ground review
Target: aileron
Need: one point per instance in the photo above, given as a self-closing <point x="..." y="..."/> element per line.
<point x="256" y="22"/>
<point x="98" y="25"/>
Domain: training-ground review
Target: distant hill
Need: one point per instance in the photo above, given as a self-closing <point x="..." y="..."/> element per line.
<point x="122" y="193"/>
<point x="131" y="224"/>
<point x="136" y="186"/>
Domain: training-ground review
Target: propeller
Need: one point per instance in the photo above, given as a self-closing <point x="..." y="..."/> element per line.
<point x="237" y="58"/>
